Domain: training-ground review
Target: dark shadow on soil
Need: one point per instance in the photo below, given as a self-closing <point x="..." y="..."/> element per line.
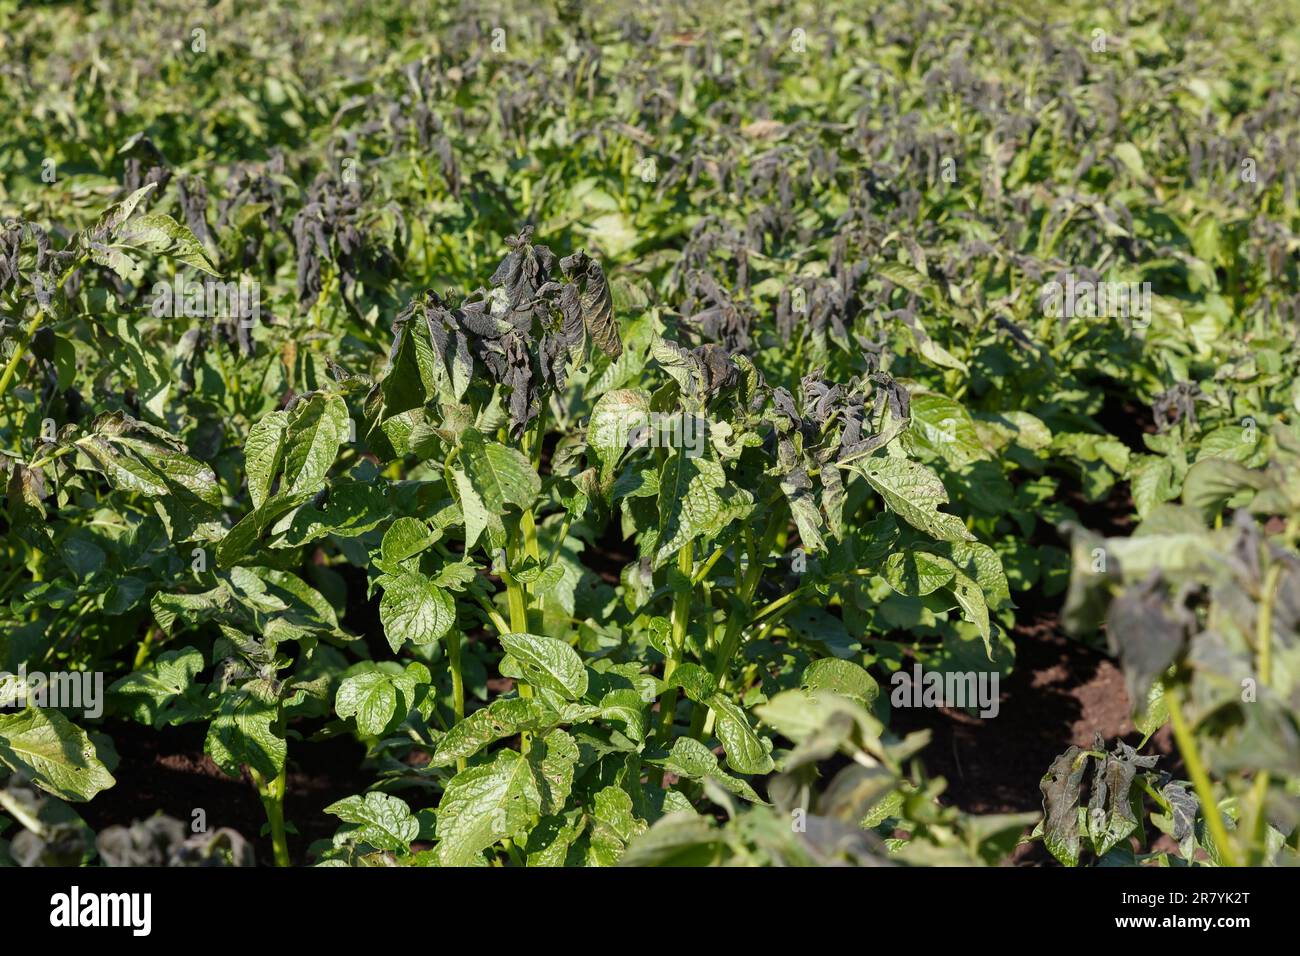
<point x="1061" y="692"/>
<point x="166" y="770"/>
<point x="1126" y="419"/>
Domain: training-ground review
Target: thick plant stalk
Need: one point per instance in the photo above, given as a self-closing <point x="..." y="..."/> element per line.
<point x="142" y="652"/>
<point x="518" y="596"/>
<point x="1186" y="741"/>
<point x="457" y="684"/>
<point x="737" y="623"/>
<point x="493" y="615"/>
<point x="19" y="350"/>
<point x="518" y="603"/>
<point x="677" y="640"/>
<point x="272" y="794"/>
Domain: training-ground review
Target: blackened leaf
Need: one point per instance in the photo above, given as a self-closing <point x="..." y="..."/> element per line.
<point x="597" y="306"/>
<point x="1183" y="806"/>
<point x="720" y="370"/>
<point x="1145" y="634"/>
<point x="1060" y="786"/>
<point x="1110" y="805"/>
<point x="522" y="273"/>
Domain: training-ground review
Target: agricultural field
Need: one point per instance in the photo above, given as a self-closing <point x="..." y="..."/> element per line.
<point x="559" y="434"/>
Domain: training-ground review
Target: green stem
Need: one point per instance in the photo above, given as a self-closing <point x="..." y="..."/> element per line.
<point x="518" y="603"/>
<point x="1186" y="741"/>
<point x="457" y="684"/>
<point x="272" y="794"/>
<point x="537" y="431"/>
<point x="707" y="566"/>
<point x="528" y="528"/>
<point x="142" y="652"/>
<point x="493" y="614"/>
<point x="23" y="341"/>
<point x="42" y="462"/>
<point x="532" y="447"/>
<point x="772" y="607"/>
<point x="559" y="540"/>
<point x="737" y="622"/>
<point x="677" y="640"/>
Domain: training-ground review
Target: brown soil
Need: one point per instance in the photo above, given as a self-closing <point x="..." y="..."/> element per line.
<point x="166" y="770"/>
<point x="1060" y="692"/>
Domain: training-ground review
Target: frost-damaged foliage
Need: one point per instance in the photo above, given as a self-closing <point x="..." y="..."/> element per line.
<point x="522" y="336"/>
<point x="1121" y="783"/>
<point x="1204" y="617"/>
<point x="623" y="408"/>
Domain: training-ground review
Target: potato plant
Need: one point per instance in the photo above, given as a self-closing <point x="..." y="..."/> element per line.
<point x="596" y="415"/>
